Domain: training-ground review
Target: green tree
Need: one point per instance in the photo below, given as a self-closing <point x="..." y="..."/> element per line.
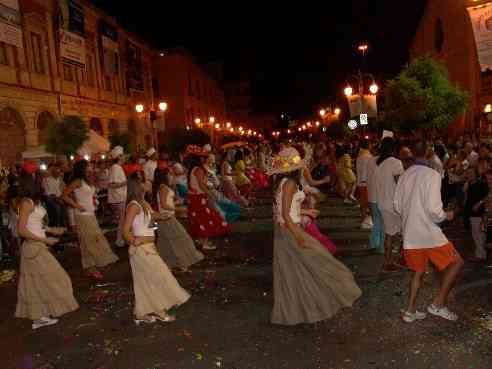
<point x="180" y="139"/>
<point x="123" y="140"/>
<point x="66" y="136"/>
<point x="422" y="97"/>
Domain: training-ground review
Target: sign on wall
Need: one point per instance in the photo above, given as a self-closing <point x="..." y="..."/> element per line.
<point x="72" y="30"/>
<point x="10" y="23"/>
<point x="368" y="105"/>
<point x="481" y="19"/>
<point x="134" y="67"/>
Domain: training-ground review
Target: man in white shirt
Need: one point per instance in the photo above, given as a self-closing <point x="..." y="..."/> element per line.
<point x="117" y="192"/>
<point x="362" y="164"/>
<point x="472" y="155"/>
<point x="150" y="165"/>
<point x="53" y="186"/>
<point x="418" y="201"/>
<point x="388" y="169"/>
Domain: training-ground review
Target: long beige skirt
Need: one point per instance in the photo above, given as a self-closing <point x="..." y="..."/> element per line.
<point x="44" y="288"/>
<point x="175" y="245"/>
<point x="154" y="286"/>
<point x="94" y="247"/>
<point x="309" y="284"/>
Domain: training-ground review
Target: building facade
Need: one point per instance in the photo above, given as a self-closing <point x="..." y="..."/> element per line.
<point x="68" y="58"/>
<point x="189" y="91"/>
<point x="445" y="33"/>
<point x="238" y="101"/>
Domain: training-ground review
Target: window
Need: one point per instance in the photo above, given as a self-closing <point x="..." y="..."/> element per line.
<point x="67" y="73"/>
<point x="43" y="122"/>
<point x="90" y="70"/>
<point x="107" y="83"/>
<point x="3" y="54"/>
<point x="439" y="35"/>
<point x="37" y="53"/>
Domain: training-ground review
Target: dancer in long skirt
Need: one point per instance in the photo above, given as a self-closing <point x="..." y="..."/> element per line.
<point x="94" y="248"/>
<point x="45" y="289"/>
<point x="204" y="220"/>
<point x="156" y="289"/>
<point x="310" y="285"/>
<point x="174" y="244"/>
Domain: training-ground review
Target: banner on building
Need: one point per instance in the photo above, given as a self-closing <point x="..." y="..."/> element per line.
<point x="71" y="33"/>
<point x="368" y="105"/>
<point x="134" y="67"/>
<point x="109" y="48"/>
<point x="10" y="23"/>
<point x="481" y="19"/>
<point x="72" y="48"/>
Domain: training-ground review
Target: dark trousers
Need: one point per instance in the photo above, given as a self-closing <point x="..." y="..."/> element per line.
<point x="56" y="212"/>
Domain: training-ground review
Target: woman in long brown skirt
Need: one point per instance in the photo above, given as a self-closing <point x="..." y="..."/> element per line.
<point x="310" y="285"/>
<point x="45" y="290"/>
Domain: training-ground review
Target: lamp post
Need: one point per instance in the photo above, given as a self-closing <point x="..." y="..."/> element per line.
<point x="140" y="109"/>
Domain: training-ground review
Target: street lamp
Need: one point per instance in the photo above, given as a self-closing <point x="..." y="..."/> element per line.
<point x="228" y="125"/>
<point x="139" y="108"/>
<point x="198" y="121"/>
<point x="217" y="126"/>
<point x="211" y="120"/>
<point x="348" y="91"/>
<point x="322" y="113"/>
<point x="363" y="48"/>
<point x="162" y="106"/>
<point x="374" y="88"/>
<point x="337" y="111"/>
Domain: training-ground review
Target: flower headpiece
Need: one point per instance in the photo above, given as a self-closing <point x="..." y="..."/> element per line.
<point x="288" y="160"/>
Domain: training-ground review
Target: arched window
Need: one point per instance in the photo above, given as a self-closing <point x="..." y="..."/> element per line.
<point x="13" y="141"/>
<point x="95" y="125"/>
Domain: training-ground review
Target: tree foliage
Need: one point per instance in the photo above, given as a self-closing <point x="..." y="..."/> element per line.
<point x="66" y="136"/>
<point x="422" y="97"/>
<point x="123" y="140"/>
<point x="180" y="139"/>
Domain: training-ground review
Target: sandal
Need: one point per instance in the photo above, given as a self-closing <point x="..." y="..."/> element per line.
<point x="95" y="275"/>
<point x="149" y="319"/>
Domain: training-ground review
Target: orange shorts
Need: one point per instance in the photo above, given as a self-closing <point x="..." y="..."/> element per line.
<point x="441" y="257"/>
<point x="363" y="197"/>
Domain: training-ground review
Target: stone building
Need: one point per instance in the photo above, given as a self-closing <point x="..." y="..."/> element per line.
<point x="445" y="33"/>
<point x="61" y="57"/>
<point x="191" y="93"/>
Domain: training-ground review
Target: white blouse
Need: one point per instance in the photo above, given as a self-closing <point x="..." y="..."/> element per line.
<point x="169" y="203"/>
<point x="295" y="207"/>
<point x="85" y="196"/>
<point x="142" y="223"/>
<point x="35" y="221"/>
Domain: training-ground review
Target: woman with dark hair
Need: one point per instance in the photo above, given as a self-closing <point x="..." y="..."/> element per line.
<point x="156" y="289"/>
<point x="309" y="284"/>
<point x="80" y="194"/>
<point x="388" y="169"/>
<point x="174" y="244"/>
<point x="44" y="290"/>
<point x="204" y="220"/>
<point x="228" y="183"/>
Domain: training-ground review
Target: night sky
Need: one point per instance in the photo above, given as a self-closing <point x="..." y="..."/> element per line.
<point x="297" y="58"/>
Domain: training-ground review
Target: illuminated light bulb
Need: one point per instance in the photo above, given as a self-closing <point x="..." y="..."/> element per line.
<point x="139" y="108"/>
<point x="374" y="89"/>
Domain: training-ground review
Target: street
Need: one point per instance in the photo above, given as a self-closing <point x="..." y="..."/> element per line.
<point x="226" y="322"/>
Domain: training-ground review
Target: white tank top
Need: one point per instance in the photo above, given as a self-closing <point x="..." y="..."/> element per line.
<point x="141" y="224"/>
<point x="169" y="203"/>
<point x="85" y="196"/>
<point x="35" y="221"/>
<point x="295" y="206"/>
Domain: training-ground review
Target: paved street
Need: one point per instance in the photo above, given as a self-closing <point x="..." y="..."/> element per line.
<point x="226" y="322"/>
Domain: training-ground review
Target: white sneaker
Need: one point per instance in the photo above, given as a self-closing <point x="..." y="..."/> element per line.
<point x="43" y="322"/>
<point x="409" y="317"/>
<point x="367" y="223"/>
<point x="443" y="312"/>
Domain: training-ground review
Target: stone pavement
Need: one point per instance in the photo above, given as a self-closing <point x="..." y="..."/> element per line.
<point x="226" y="322"/>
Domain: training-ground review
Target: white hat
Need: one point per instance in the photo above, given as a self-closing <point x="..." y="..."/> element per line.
<point x="117" y="152"/>
<point x="150" y="152"/>
<point x="388" y="134"/>
<point x="288" y="160"/>
<point x="207" y="148"/>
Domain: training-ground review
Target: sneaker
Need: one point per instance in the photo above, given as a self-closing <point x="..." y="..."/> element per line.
<point x="409" y="317"/>
<point x="443" y="312"/>
<point x="43" y="322"/>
